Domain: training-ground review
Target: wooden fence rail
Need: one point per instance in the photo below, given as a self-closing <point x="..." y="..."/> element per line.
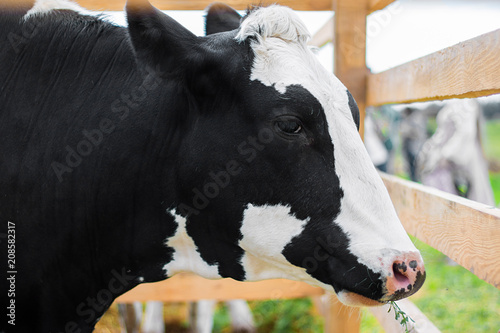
<point x="466" y="231"/>
<point x="468" y="69"/>
<point x="188" y="287"/>
<point x="317" y="5"/>
<point x="307" y="5"/>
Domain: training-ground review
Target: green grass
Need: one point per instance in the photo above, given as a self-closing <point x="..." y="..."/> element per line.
<point x="492" y="150"/>
<point x="455" y="299"/>
<point x="280" y="316"/>
<point x="495" y="183"/>
<point x="286" y="316"/>
<point x="492" y="144"/>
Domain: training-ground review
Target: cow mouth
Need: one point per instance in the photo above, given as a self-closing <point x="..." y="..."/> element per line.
<point x="396" y="287"/>
<point x="401" y="286"/>
<point x="353" y="299"/>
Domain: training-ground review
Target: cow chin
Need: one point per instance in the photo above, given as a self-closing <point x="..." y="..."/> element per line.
<point x="352" y="299"/>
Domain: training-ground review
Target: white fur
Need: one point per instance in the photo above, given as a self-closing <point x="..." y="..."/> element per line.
<point x="274" y="22"/>
<point x="266" y="231"/>
<point x="45" y="6"/>
<point x="186" y="258"/>
<point x="367" y="215"/>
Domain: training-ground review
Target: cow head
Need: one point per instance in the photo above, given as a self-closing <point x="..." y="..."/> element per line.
<point x="271" y="177"/>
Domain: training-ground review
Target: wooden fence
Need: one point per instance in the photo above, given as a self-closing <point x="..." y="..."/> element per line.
<point x="466" y="231"/>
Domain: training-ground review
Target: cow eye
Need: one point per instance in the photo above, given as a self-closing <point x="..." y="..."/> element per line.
<point x="289" y="126"/>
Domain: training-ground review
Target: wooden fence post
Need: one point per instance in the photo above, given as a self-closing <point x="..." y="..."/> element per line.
<point x="350" y="49"/>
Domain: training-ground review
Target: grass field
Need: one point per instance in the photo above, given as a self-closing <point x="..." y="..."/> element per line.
<point x="492" y="150"/>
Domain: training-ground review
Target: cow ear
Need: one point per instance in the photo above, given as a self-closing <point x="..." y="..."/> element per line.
<point x="158" y="39"/>
<point x="220" y="17"/>
<point x="354" y="109"/>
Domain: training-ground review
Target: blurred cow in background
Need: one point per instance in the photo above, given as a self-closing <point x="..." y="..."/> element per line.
<point x="388" y="127"/>
<point x="414" y="133"/>
<point x="453" y="159"/>
<point x="375" y="143"/>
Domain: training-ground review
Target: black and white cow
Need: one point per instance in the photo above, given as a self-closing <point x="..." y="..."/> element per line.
<point x="453" y="159"/>
<point x="131" y="154"/>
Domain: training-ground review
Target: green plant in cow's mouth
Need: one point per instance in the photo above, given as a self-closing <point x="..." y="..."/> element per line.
<point x="400" y="315"/>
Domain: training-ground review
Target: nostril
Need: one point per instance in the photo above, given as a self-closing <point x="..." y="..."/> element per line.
<point x="399" y="273"/>
<point x="400" y="266"/>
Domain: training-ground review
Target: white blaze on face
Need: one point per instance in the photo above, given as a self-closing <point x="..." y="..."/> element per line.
<point x="282" y="58"/>
<point x="186" y="258"/>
